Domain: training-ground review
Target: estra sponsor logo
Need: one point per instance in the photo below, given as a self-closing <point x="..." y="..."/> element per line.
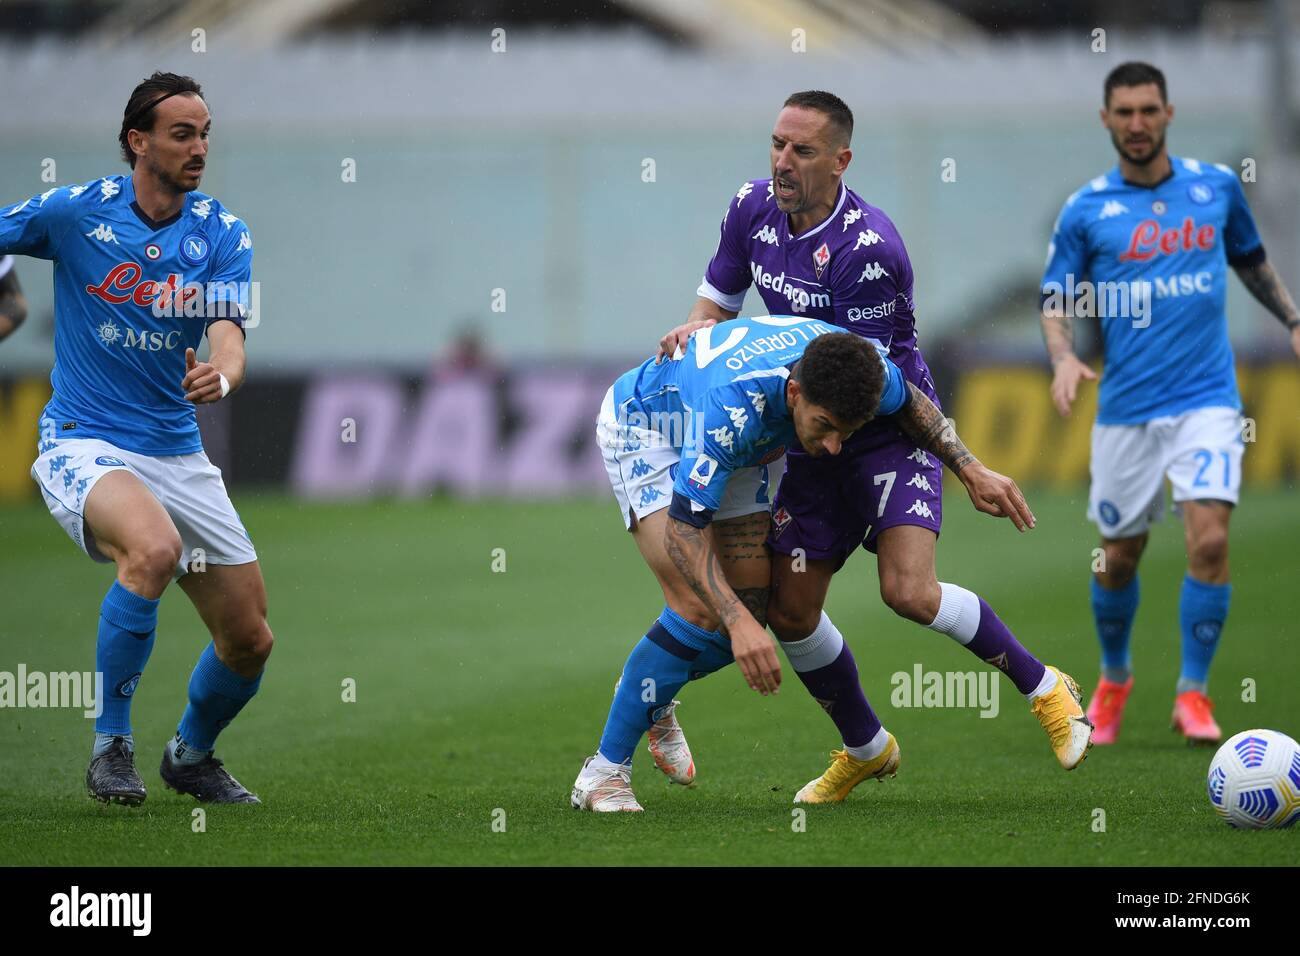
<point x="1148" y="240"/>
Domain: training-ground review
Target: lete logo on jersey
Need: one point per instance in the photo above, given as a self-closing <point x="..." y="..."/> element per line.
<point x="123" y="283"/>
<point x="1148" y="241"/>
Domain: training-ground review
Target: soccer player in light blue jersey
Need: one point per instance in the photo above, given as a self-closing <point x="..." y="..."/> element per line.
<point x="1146" y="248"/>
<point x="695" y="448"/>
<point x="145" y="267"/>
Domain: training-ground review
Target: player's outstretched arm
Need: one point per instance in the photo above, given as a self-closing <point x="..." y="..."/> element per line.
<point x="704" y="312"/>
<point x="1269" y="291"/>
<point x="693" y="556"/>
<point x="13" y="305"/>
<point x="203" y="380"/>
<point x="1067" y="368"/>
<point x="990" y="492"/>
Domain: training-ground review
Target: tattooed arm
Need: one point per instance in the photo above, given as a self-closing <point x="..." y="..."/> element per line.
<point x="990" y="492"/>
<point x="1067" y="368"/>
<point x="742" y="552"/>
<point x="1266" y="286"/>
<point x="693" y="556"/>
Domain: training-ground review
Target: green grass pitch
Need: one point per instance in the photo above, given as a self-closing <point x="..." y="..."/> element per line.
<point x="478" y="693"/>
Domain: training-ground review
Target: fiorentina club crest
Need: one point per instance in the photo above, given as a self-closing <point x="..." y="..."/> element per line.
<point x="780" y="518"/>
<point x="821" y="257"/>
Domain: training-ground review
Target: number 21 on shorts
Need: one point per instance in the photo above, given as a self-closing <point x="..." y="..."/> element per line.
<point x="1205" y="476"/>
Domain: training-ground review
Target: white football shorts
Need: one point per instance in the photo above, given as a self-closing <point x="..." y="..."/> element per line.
<point x="1199" y="451"/>
<point x="189" y="487"/>
<point x="642" y="466"/>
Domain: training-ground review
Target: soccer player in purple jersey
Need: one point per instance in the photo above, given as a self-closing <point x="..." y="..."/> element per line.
<point x="815" y="248"/>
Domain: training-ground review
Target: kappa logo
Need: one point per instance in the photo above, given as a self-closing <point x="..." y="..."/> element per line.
<point x="758" y="400"/>
<point x="1113" y="207"/>
<point x="75" y="191"/>
<point x="769" y="190"/>
<point x="640" y="467"/>
<point x="850" y="217"/>
<point x="202" y="208"/>
<point x="702" y="471"/>
<point x="649" y="496"/>
<point x="922" y="482"/>
<point x="744" y="191"/>
<point x="48" y="193"/>
<point x="868" y="238"/>
<point x="244" y="243"/>
<point x="921" y="509"/>
<point x="108" y="189"/>
<point x="739" y="417"/>
<point x="724" y="436"/>
<point x="920" y="457"/>
<point x="104" y="234"/>
<point x="874" y="270"/>
<point x="228" y="219"/>
<point x="766" y="234"/>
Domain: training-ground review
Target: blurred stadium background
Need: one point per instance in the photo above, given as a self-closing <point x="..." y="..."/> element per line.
<point x="516" y="181"/>
<point x="467" y="217"/>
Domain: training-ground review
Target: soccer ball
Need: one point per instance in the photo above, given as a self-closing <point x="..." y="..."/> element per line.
<point x="1254" y="780"/>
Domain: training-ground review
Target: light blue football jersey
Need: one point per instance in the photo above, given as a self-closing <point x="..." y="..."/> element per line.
<point x="118" y="365"/>
<point x="722" y="404"/>
<point x="1178" y="237"/>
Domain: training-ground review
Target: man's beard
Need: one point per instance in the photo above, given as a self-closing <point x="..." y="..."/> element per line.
<point x="1157" y="148"/>
<point x="170" y="182"/>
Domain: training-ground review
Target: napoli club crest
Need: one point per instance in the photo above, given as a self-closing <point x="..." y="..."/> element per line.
<point x="1200" y="193"/>
<point x="821" y="257"/>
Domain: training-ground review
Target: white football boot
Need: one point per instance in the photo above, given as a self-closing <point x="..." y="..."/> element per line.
<point x="669" y="748"/>
<point x="604" y="790"/>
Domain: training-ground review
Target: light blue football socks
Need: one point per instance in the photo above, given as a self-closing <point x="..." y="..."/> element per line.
<point x="672" y="652"/>
<point x="217" y="694"/>
<point x="1113" y="613"/>
<point x="1202" y="611"/>
<point x="127" y="624"/>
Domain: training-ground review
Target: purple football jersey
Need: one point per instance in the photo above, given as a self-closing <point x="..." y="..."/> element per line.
<point x="851" y="270"/>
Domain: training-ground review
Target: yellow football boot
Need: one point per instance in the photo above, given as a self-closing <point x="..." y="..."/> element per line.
<point x="1060" y="711"/>
<point x="846" y="772"/>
